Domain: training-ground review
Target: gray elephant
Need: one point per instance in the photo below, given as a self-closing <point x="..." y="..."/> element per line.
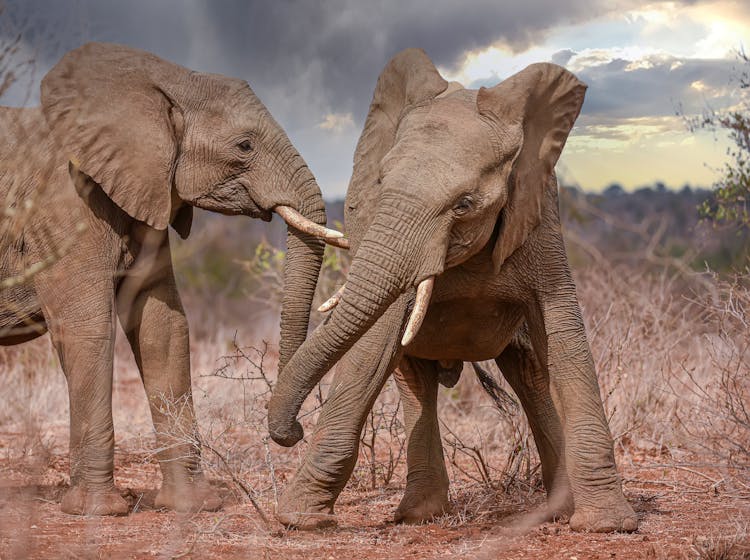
<point x="452" y="213"/>
<point x="124" y="145"/>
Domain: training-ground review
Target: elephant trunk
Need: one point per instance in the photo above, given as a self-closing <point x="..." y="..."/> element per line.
<point x="302" y="265"/>
<point x="385" y="266"/>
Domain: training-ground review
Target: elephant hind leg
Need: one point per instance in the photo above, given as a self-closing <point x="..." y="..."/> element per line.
<point x="81" y="322"/>
<point x="426" y="494"/>
<point x="530" y="382"/>
<point x="153" y="319"/>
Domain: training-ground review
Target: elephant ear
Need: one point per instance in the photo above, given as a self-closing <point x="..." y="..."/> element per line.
<point x="544" y="100"/>
<point x="107" y="109"/>
<point x="408" y="80"/>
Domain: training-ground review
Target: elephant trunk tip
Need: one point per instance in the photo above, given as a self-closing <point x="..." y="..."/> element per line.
<point x="283" y="432"/>
<point x="287" y="437"/>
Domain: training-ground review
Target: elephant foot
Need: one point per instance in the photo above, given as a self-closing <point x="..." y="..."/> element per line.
<point x="303" y="513"/>
<point x="617" y="518"/>
<point x="82" y="500"/>
<point x="188" y="497"/>
<point x="306" y="520"/>
<point x="559" y="503"/>
<point x="421" y="506"/>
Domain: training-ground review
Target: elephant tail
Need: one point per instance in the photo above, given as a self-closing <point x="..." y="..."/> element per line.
<point x="505" y="403"/>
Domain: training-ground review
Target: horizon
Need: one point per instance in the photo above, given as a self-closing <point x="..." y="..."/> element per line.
<point x="315" y="67"/>
<point x="656" y="186"/>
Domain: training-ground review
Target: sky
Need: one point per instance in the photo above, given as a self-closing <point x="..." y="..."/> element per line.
<point x="314" y="65"/>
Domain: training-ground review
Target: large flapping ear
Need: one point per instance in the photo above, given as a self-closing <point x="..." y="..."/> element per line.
<point x="108" y="109"/>
<point x="408" y="80"/>
<point x="544" y="99"/>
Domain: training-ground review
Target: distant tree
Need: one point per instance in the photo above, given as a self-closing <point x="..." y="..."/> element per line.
<point x="730" y="203"/>
<point x="615" y="189"/>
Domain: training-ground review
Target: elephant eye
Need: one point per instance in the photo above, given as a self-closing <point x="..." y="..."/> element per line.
<point x="245" y="146"/>
<point x="464" y="205"/>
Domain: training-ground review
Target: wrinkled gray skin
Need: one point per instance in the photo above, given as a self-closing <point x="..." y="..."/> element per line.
<point x="124" y="145"/>
<point x="459" y="186"/>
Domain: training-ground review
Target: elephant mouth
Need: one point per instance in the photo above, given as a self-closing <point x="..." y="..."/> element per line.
<point x="232" y="198"/>
<point x="255" y="211"/>
<point x="236" y="198"/>
<point x="251" y="207"/>
<point x="292" y="217"/>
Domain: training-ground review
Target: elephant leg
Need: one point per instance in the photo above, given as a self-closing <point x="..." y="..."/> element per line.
<point x="153" y="319"/>
<point x="559" y="339"/>
<point x="308" y="501"/>
<point x="80" y="318"/>
<point x="530" y="382"/>
<point x="426" y="494"/>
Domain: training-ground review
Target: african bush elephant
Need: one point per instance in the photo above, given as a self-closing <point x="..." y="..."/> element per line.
<point x="123" y="145"/>
<point x="453" y="196"/>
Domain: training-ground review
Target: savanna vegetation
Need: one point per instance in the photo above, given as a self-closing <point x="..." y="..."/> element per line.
<point x="669" y="334"/>
<point x="665" y="290"/>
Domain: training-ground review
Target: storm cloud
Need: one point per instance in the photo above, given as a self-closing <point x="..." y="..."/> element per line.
<point x="314" y="64"/>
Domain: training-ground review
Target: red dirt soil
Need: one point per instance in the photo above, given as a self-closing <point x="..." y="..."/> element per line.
<point x="682" y="512"/>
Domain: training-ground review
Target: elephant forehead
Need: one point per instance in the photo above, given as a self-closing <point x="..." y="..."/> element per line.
<point x="449" y="130"/>
<point x="213" y="97"/>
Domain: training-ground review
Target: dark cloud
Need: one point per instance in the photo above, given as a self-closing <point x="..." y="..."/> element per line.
<point x="304" y="59"/>
<point x="658" y="90"/>
<point x="300" y="53"/>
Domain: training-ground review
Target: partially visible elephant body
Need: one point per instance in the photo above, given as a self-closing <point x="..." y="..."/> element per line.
<point x="64" y="255"/>
<point x="452" y="214"/>
<point x="26" y="172"/>
<point x="125" y="145"/>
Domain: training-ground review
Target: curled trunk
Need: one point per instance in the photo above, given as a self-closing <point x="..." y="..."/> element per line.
<point x="384" y="267"/>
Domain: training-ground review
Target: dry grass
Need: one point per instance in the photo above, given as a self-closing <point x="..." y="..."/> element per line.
<point x="674" y="367"/>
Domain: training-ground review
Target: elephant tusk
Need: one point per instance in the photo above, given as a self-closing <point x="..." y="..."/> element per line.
<point x="305" y="225"/>
<point x="422" y="302"/>
<point x="332" y="301"/>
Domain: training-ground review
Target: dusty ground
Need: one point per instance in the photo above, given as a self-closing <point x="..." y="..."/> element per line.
<point x="684" y="508"/>
<point x="675" y="378"/>
<point x="681" y="513"/>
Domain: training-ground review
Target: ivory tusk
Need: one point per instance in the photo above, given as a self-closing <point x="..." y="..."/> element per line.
<point x="332" y="301"/>
<point x="305" y="225"/>
<point x="422" y="302"/>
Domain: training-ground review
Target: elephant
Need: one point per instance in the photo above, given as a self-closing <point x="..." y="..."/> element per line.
<point x="124" y="145"/>
<point x="457" y="255"/>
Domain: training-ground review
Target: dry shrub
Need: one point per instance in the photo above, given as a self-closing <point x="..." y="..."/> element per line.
<point x="717" y="416"/>
<point x="722" y="547"/>
<point x="383" y="442"/>
<point x="672" y="359"/>
<point x="671" y="355"/>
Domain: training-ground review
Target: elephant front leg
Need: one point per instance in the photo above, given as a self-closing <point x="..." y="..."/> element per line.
<point x="308" y="501"/>
<point x="154" y="321"/>
<point x="559" y="337"/>
<point x="426" y="494"/>
<point x="81" y="325"/>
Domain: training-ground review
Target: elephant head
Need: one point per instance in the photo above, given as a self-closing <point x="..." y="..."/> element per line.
<point x="440" y="174"/>
<point x="159" y="139"/>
